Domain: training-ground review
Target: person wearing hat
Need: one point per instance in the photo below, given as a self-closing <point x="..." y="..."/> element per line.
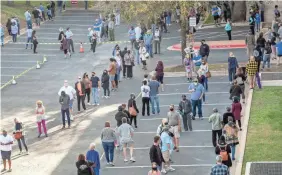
<point x="148" y="40"/>
<point x="185" y="107"/>
<point x="6" y="142"/>
<point x="204" y="50"/>
<point x="232" y="66"/>
<point x="224" y="150"/>
<point x="80" y="93"/>
<point x="219" y="168"/>
<point x="216" y="120"/>
<point x="166" y="148"/>
<point x="70" y="91"/>
<point x="197" y="91"/>
<point x="69" y="36"/>
<point x="40" y="118"/>
<point x="97" y="29"/>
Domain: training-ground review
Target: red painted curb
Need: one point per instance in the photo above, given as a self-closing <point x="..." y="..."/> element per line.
<point x="177" y="47"/>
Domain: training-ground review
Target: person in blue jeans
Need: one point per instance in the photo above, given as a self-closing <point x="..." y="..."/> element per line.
<point x="197" y="91"/>
<point x="257" y="21"/>
<point x="148" y="40"/>
<point x="154" y="91"/>
<point x="108" y="138"/>
<point x="65" y="102"/>
<point x="2" y="34"/>
<point x="137" y="55"/>
<point x="95" y="81"/>
<point x="29" y="38"/>
<point x="232" y="66"/>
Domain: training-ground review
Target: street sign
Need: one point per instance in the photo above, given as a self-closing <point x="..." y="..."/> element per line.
<point x="192" y="22"/>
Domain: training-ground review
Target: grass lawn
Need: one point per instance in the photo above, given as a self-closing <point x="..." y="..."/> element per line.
<point x="264" y="141"/>
<point x="209" y="19"/>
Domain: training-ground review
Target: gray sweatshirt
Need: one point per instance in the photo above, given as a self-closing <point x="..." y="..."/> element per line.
<point x="64" y="101"/>
<point x="185" y="106"/>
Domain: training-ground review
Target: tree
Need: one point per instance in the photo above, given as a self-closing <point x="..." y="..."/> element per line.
<point x="239" y="10"/>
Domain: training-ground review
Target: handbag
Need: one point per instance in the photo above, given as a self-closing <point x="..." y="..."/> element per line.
<point x="18" y="135"/>
<point x="132" y="110"/>
<point x="208" y="74"/>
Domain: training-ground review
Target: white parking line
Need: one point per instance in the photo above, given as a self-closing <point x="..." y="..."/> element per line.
<point x="156" y="118"/>
<point x="15" y="67"/>
<point x="144" y="148"/>
<point x="176" y="84"/>
<point x="15" y="54"/>
<point x="204" y="104"/>
<point x="150" y="132"/>
<point x="8" y="75"/>
<point x="147" y="166"/>
<point x="78" y="25"/>
<point x="46" y="33"/>
<point x="23" y="48"/>
<point x="181" y="93"/>
<point x="56" y="28"/>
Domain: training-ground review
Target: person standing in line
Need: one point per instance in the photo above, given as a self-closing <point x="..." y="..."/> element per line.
<point x="29" y="38"/>
<point x="69" y="36"/>
<point x="148" y="40"/>
<point x="65" y="46"/>
<point x="49" y="13"/>
<point x="231" y="135"/>
<point x="111" y="29"/>
<point x="215" y="14"/>
<point x="252" y="22"/>
<point x="117" y="16"/>
<point x="143" y="55"/>
<point x="9" y="26"/>
<point x="82" y="166"/>
<point x="236" y="110"/>
<point x="129" y="63"/>
<point x="125" y="132"/>
<point x="41" y="7"/>
<point x="85" y="4"/>
<point x="216" y="120"/>
<point x="96" y="85"/>
<point x="104" y="29"/>
<point x="227" y="114"/>
<point x="160" y="73"/>
<point x="36" y="14"/>
<point x="173" y="118"/>
<point x="188" y="67"/>
<point x="126" y="112"/>
<point x="250" y="42"/>
<point x="203" y="71"/>
<point x="155" y="154"/>
<point x="138" y="32"/>
<point x="261" y="42"/>
<point x="241" y="78"/>
<point x="204" y="50"/>
<point x="52" y="5"/>
<point x="279" y="51"/>
<point x="133" y="110"/>
<point x="267" y="55"/>
<point x="6" y="142"/>
<point x="219" y="168"/>
<point x="166" y="148"/>
<point x="70" y="91"/>
<point x="154" y="95"/>
<point x="122" y="55"/>
<point x="97" y="29"/>
<point x="87" y="85"/>
<point x="28" y="18"/>
<point x="276" y="12"/>
<point x="90" y="34"/>
<point x="40" y="118"/>
<point x="34" y="41"/>
<point x="105" y="83"/>
<point x="2" y="32"/>
<point x="197" y="60"/>
<point x="232" y="66"/>
<point x="108" y="138"/>
<point x="261" y="8"/>
<point x="228" y="29"/>
<point x="14" y="31"/>
<point x="157" y="40"/>
<point x="64" y="100"/>
<point x="132" y="36"/>
<point x="136" y="49"/>
<point x="112" y="73"/>
<point x="257" y="21"/>
<point x="145" y="91"/>
<point x="80" y="93"/>
<point x="154" y="170"/>
<point x="224" y="150"/>
<point x="119" y="115"/>
<point x="119" y="67"/>
<point x="235" y="90"/>
<point x="252" y="68"/>
<point x="185" y="108"/>
<point x="93" y="158"/>
<point x="93" y="42"/>
<point x="197" y="91"/>
<point x="19" y="135"/>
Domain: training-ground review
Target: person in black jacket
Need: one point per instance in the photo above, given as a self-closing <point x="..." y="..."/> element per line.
<point x="156" y="153"/>
<point x="235" y="90"/>
<point x="126" y="112"/>
<point x="119" y="115"/>
<point x="227" y="114"/>
<point x="204" y="50"/>
<point x="132" y="103"/>
<point x="83" y="167"/>
<point x="240" y="77"/>
<point x="80" y="93"/>
<point x="224" y="150"/>
<point x="122" y="53"/>
<point x="105" y="80"/>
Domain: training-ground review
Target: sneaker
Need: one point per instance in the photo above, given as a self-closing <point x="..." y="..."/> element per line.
<point x="27" y="153"/>
<point x="108" y="163"/>
<point x="88" y="103"/>
<point x="125" y="160"/>
<point x="39" y="135"/>
<point x="163" y="171"/>
<point x="10" y="170"/>
<point x="3" y="170"/>
<point x="112" y="164"/>
<point x="171" y="169"/>
<point x="97" y="104"/>
<point x="20" y="152"/>
<point x="63" y="127"/>
<point x="132" y="159"/>
<point x="104" y="96"/>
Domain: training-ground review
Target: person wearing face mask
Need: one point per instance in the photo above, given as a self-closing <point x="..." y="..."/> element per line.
<point x="129" y="63"/>
<point x="155" y="153"/>
<point x="157" y="40"/>
<point x="197" y="91"/>
<point x="80" y="93"/>
<point x="154" y="170"/>
<point x="95" y="84"/>
<point x="174" y="122"/>
<point x="70" y="91"/>
<point x="204" y="50"/>
<point x="105" y="81"/>
<point x="185" y="107"/>
<point x="6" y="142"/>
<point x="202" y="73"/>
<point x="64" y="101"/>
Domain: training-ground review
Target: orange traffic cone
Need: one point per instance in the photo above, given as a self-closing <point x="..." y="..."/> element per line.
<point x="81" y="50"/>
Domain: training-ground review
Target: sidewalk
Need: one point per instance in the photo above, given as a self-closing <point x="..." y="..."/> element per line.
<point x="234" y="44"/>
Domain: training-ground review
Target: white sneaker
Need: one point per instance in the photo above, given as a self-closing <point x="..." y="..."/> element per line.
<point x="97" y="104"/>
<point x="104" y="96"/>
<point x="163" y="171"/>
<point x="132" y="159"/>
<point x="171" y="169"/>
<point x="27" y="153"/>
<point x="88" y="103"/>
<point x="125" y="160"/>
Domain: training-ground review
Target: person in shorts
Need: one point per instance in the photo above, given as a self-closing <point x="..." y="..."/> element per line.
<point x="174" y="121"/>
<point x="112" y="73"/>
<point x="166" y="148"/>
<point x="6" y="142"/>
<point x="125" y="132"/>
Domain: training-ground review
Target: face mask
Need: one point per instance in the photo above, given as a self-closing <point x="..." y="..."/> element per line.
<point x="154" y="168"/>
<point x="195" y="83"/>
<point x="171" y="109"/>
<point x="183" y="99"/>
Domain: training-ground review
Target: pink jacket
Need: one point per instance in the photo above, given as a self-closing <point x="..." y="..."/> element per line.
<point x="236" y="110"/>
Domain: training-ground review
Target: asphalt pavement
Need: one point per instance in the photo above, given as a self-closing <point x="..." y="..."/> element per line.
<point x="58" y="153"/>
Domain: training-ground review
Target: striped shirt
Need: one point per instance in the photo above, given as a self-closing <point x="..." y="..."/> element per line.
<point x="252" y="68"/>
<point x="108" y="135"/>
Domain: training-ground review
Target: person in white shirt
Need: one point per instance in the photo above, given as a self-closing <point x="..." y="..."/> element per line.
<point x="29" y="38"/>
<point x="70" y="91"/>
<point x="202" y="73"/>
<point x="145" y="91"/>
<point x="6" y="142"/>
<point x="143" y="55"/>
<point x="69" y="36"/>
<point x="138" y="32"/>
<point x="119" y="65"/>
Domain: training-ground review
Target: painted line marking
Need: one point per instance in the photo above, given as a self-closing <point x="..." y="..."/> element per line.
<point x="157" y="118"/>
<point x="14" y="67"/>
<point x="84" y="43"/>
<point x="22" y="48"/>
<point x="176" y="84"/>
<point x="150" y="132"/>
<point x="77" y="25"/>
<point x="205" y="104"/>
<point x="20" y="61"/>
<point x="3" y="54"/>
<point x="2" y="75"/>
<point x="102" y="156"/>
<point x="144" y="148"/>
<point x="147" y="166"/>
<point x="178" y="93"/>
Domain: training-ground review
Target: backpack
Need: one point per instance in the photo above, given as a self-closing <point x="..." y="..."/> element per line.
<point x="223" y="153"/>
